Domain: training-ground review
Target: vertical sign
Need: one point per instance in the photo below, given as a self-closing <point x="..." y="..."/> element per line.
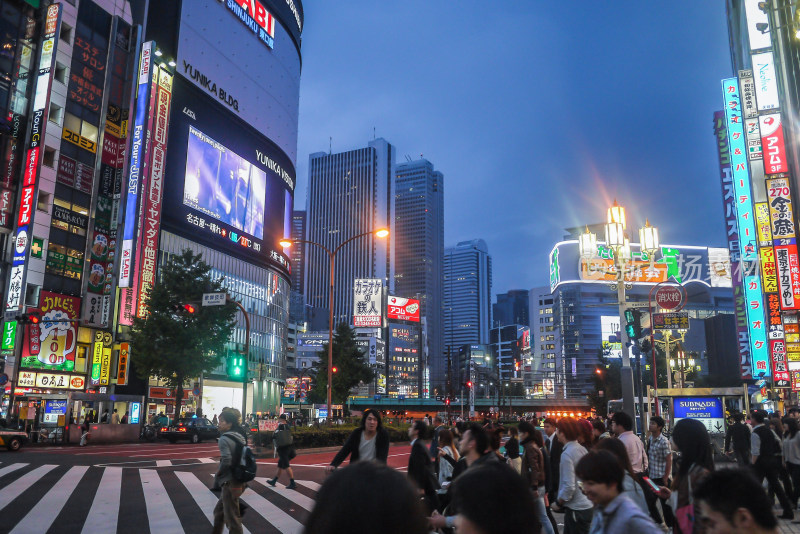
<point x="763" y="225"/>
<point x="784" y="238"/>
<point x="758" y="329"/>
<point x="774" y="152"/>
<point x="368" y="302"/>
<point x="97" y="358"/>
<point x="122" y="367"/>
<point x="32" y="163"/>
<point x="766" y="82"/>
<point x="9" y="335"/>
<point x="732" y="233"/>
<point x="151" y="221"/>
<point x="135" y="164"/>
<point x="758" y="39"/>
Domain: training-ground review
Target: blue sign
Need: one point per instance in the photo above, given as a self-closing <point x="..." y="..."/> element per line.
<point x="377" y="397"/>
<point x="708" y="410"/>
<point x="741" y="175"/>
<point x="759" y="354"/>
<point x="136" y="411"/>
<point x="322" y="412"/>
<point x="54" y="408"/>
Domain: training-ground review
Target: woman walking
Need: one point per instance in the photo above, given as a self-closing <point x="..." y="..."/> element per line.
<point x="368" y="442"/>
<point x="284" y="448"/>
<point x="512" y="449"/>
<point x="571" y="501"/>
<point x="533" y="470"/>
<point x="791" y="455"/>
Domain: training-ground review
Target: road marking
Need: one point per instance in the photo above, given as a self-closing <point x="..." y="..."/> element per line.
<point x="206" y="460"/>
<point x="309" y="484"/>
<point x="163" y="463"/>
<point x="47" y="509"/>
<point x="204" y="497"/>
<point x="292" y="495"/>
<point x="13" y="490"/>
<point x="103" y="515"/>
<point x="160" y="512"/>
<point x="279" y="519"/>
<point x="10" y="469"/>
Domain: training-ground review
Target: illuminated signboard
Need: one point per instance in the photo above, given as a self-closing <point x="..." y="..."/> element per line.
<point x="769" y="273"/>
<point x="766" y="82"/>
<point x="403" y="309"/>
<point x="758" y="39"/>
<point x="780" y="211"/>
<point x="763" y="224"/>
<point x="757" y="325"/>
<point x="774" y="152"/>
<point x="254" y="16"/>
<point x="708" y="410"/>
<point x="32" y="163"/>
<point x="741" y="176"/>
<point x="55" y="336"/>
<point x="671" y="321"/>
<point x="225" y="185"/>
<point x="122" y="366"/>
<point x="367" y="302"/>
<point x="135" y="165"/>
<point x="788" y="268"/>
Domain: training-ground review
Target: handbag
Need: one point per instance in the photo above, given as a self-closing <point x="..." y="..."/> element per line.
<point x="283" y="438"/>
<point x="685" y="514"/>
<point x="292" y="452"/>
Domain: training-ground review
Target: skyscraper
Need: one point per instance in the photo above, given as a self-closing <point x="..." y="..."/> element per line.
<point x="511" y="308"/>
<point x="467" y="293"/>
<point x="419" y="251"/>
<point x="349" y="193"/>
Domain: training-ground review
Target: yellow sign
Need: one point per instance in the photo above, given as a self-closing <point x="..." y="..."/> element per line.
<point x="763" y="226"/>
<point x="105" y="367"/>
<point x="122" y="366"/>
<point x="769" y="273"/>
<point x="76" y="139"/>
<point x="26" y="379"/>
<point x="780" y="208"/>
<point x="792" y="338"/>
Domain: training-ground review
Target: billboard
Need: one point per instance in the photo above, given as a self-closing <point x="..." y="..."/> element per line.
<point x="708" y="410"/>
<point x="367" y="302"/>
<point x="404" y="360"/>
<point x="610" y="332"/>
<point x="766" y="81"/>
<point x="758" y="39"/>
<point x="51" y="345"/>
<point x="403" y="309"/>
<point x="756" y="321"/>
<point x="226" y="185"/>
<point x="774" y="151"/>
<point x="780" y="211"/>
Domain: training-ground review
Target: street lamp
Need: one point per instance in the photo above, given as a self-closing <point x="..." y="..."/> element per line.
<point x="619" y="243"/>
<point x="683" y="364"/>
<point x="288" y="242"/>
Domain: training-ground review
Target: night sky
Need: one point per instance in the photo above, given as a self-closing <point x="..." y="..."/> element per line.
<point x="538" y="113"/>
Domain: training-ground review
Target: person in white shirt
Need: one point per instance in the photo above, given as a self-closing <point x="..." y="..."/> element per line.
<point x="622" y="426"/>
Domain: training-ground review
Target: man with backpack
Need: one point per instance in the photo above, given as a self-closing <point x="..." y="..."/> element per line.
<point x="236" y="467"/>
<point x="285" y="448"/>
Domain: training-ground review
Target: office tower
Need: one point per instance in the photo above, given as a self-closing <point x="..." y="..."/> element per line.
<point x="467" y="293"/>
<point x="349" y="193"/>
<point x="511" y="308"/>
<point x="419" y="252"/>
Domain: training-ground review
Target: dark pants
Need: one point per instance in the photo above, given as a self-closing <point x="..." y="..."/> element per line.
<point x="794" y="473"/>
<point x="742" y="456"/>
<point x="770" y="468"/>
<point x="652" y="498"/>
<point x="577" y="521"/>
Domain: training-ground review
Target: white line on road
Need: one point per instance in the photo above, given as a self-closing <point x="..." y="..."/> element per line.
<point x="11" y="468"/>
<point x="47" y="509"/>
<point x="206" y="460"/>
<point x="160" y="511"/>
<point x="279" y="519"/>
<point x="13" y="490"/>
<point x="292" y="495"/>
<point x="103" y="515"/>
<point x="309" y="484"/>
<point x="203" y="496"/>
<point x="163" y="463"/>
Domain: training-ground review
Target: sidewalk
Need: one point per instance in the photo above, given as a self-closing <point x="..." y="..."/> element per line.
<point x="789" y="527"/>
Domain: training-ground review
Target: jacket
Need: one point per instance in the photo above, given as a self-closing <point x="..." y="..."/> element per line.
<point x="622" y="516"/>
<point x="434" y="448"/>
<point x="420" y="467"/>
<point x="553" y="474"/>
<point x="351" y="447"/>
<point x="227" y="449"/>
<point x="568" y="491"/>
<point x="739" y="434"/>
<point x="533" y="464"/>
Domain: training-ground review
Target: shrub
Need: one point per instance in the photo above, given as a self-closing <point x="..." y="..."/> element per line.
<point x="308" y="437"/>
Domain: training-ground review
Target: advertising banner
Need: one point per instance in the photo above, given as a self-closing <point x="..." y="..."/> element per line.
<point x="741" y="176"/>
<point x="708" y="410"/>
<point x="57" y="334"/>
<point x="151" y="221"/>
<point x="766" y="82"/>
<point x="610" y="333"/>
<point x="9" y="335"/>
<point x="757" y="324"/>
<point x="367" y="302"/>
<point x="122" y="366"/>
<point x="780" y="211"/>
<point x="133" y="186"/>
<point x="772" y="143"/>
<point x="754" y="150"/>
<point x="671" y="321"/>
<point x="31" y="163"/>
<point x="769" y="272"/>
<point x="788" y="267"/>
<point x="97" y="358"/>
<point x="755" y="15"/>
<point x="763" y="224"/>
<point x="47" y="380"/>
<point x="748" y="91"/>
<point x="403" y="309"/>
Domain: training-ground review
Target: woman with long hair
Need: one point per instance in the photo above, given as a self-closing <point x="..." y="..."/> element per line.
<point x="691" y="439"/>
<point x="368" y="442"/>
<point x="446" y="448"/>
<point x="512" y="449"/>
<point x="571" y="501"/>
<point x="629" y="485"/>
<point x="532" y="468"/>
<point x="791" y="454"/>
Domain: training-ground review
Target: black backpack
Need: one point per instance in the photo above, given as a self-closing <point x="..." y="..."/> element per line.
<point x="244" y="469"/>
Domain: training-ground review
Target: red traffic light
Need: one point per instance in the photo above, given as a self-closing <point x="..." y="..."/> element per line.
<point x="335" y="369"/>
<point x="34" y="319"/>
<point x="469" y="383"/>
<point x="447" y="401"/>
<point x="189" y="308"/>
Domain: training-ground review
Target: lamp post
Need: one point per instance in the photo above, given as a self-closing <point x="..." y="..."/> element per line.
<point x="617" y="241"/>
<point x="288" y="242"/>
<point x="683" y="363"/>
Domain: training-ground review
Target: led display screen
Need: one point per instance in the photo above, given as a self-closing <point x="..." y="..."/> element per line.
<point x="227" y="186"/>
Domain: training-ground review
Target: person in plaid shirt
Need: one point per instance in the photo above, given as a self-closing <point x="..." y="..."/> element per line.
<point x="660" y="456"/>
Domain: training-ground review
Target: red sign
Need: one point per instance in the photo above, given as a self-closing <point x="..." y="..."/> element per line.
<point x="788" y="265"/>
<point x="403" y="309"/>
<point x="669" y="297"/>
<point x="165" y="393"/>
<point x="772" y="144"/>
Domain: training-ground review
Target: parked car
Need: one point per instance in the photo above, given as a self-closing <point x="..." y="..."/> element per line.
<point x="12" y="439"/>
<point x="193" y="429"/>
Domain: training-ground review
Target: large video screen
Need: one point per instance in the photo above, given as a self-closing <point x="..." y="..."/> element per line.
<point x="226" y="185"/>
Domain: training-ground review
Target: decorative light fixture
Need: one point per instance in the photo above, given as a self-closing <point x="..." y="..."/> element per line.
<point x="587" y="243"/>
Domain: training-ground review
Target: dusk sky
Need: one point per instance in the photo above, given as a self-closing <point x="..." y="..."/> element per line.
<point x="538" y="113"/>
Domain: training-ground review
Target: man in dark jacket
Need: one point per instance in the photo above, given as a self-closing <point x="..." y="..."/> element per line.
<point x="739" y="434"/>
<point x="553" y="447"/>
<point x="434" y="447"/>
<point x="369" y="442"/>
<point x="765" y="448"/>
<point x="420" y="465"/>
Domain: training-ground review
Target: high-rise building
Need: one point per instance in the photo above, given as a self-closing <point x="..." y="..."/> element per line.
<point x="541" y="373"/>
<point x="349" y="193"/>
<point x="511" y="308"/>
<point x="419" y="252"/>
<point x="467" y="294"/>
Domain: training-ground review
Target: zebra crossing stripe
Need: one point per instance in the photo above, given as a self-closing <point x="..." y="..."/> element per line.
<point x="14" y="489"/>
<point x="11" y="468"/>
<point x="277" y="517"/>
<point x="47" y="509"/>
<point x="104" y="513"/>
<point x="292" y="495"/>
<point x="204" y="497"/>
<point x="206" y="460"/>
<point x="310" y="484"/>
<point x="160" y="511"/>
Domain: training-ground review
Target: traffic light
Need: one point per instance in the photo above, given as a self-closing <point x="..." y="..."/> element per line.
<point x="335" y="369"/>
<point x="186" y="308"/>
<point x="469" y="384"/>
<point x="447" y="401"/>
<point x="633" y="326"/>
<point x="28" y="318"/>
<point x="236" y="367"/>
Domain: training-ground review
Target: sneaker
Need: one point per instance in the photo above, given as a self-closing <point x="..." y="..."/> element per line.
<point x="272" y="482"/>
<point x="291" y="485"/>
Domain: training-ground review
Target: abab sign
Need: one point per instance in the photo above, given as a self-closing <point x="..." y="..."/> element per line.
<point x="403" y="309"/>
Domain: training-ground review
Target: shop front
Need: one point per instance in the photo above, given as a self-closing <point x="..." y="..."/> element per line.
<point x="41" y="400"/>
<point x="162" y="400"/>
<point x="130" y="409"/>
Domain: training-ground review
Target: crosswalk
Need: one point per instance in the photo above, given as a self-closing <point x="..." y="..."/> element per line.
<point x="38" y="499"/>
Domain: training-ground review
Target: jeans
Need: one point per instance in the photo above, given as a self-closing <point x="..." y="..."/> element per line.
<point x="227" y="512"/>
<point x="652" y="498"/>
<point x="541" y="513"/>
<point x="577" y="521"/>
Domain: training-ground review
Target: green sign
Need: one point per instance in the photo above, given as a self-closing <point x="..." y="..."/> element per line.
<point x="9" y="335"/>
<point x="37" y="247"/>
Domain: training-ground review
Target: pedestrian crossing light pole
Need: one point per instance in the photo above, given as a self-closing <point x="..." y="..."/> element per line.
<point x="238" y="365"/>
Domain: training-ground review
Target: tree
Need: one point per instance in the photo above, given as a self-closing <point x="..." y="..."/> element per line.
<point x="176" y="345"/>
<point x="351" y="369"/>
